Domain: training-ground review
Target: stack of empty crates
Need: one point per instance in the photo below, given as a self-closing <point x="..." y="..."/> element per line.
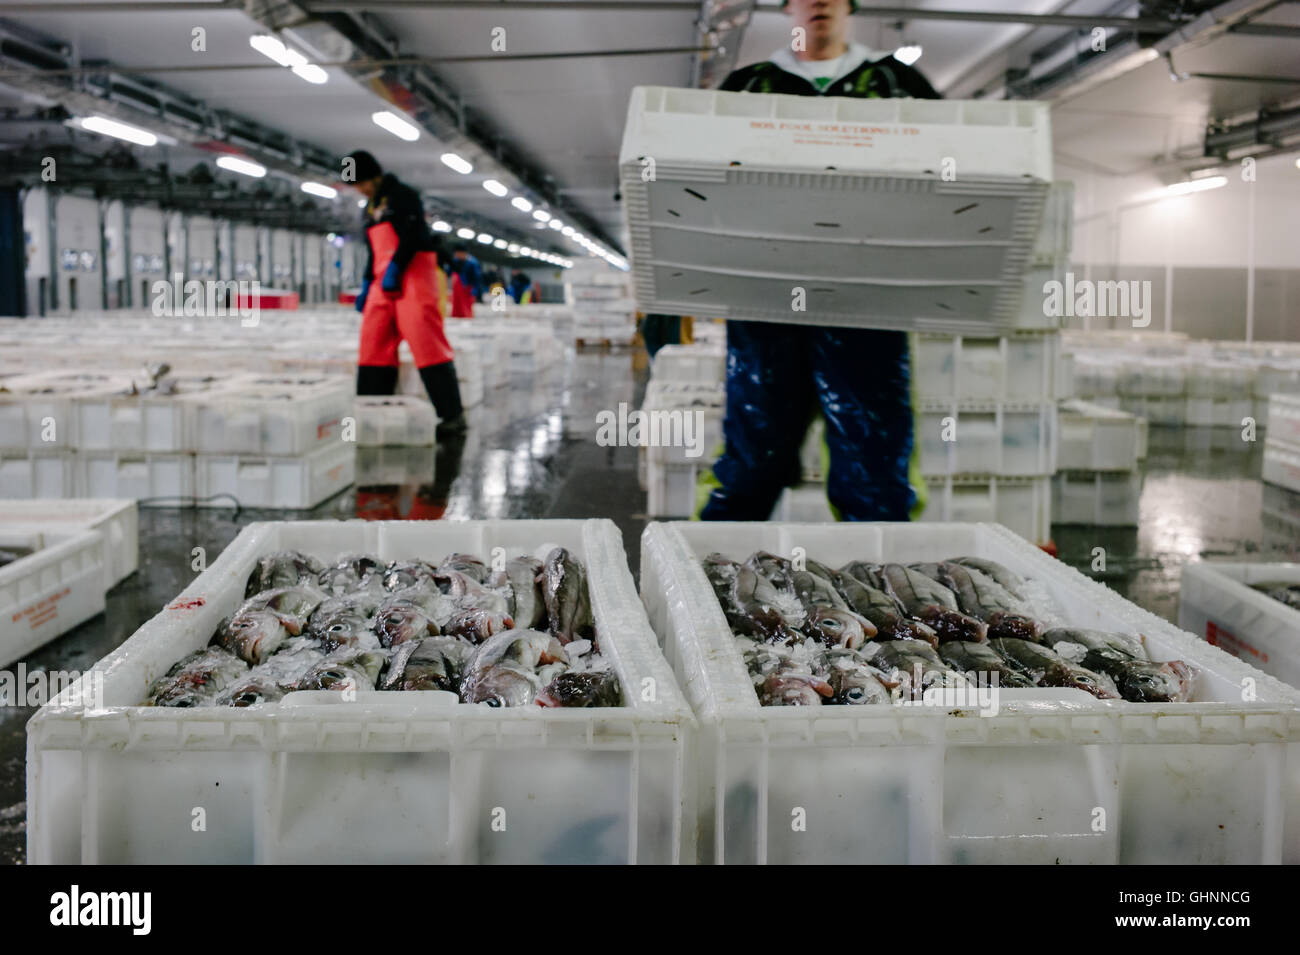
<point x="603" y="309"/>
<point x="1282" y="463"/>
<point x="685" y="380"/>
<point x="264" y="440"/>
<point x="1097" y="480"/>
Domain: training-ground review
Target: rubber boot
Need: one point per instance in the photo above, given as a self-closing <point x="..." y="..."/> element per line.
<point x="376" y="379"/>
<point x="444" y="391"/>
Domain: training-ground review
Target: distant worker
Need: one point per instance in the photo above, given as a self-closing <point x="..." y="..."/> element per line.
<point x="402" y="263"/>
<point x="520" y="287"/>
<point x="466" y="282"/>
<point x="777" y="373"/>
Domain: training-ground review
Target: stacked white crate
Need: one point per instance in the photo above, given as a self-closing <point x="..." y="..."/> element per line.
<point x="689" y="380"/>
<point x="1282" y="446"/>
<point x="987" y="417"/>
<point x="1097" y="480"/>
<point x="601" y="299"/>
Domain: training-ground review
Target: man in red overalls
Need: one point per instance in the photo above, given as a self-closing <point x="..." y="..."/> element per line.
<point x="405" y="304"/>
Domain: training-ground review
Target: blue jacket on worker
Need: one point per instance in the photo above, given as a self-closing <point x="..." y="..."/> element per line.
<point x="778" y="374"/>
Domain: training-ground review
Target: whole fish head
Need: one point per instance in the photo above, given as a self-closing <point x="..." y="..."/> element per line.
<point x="857" y="686"/>
<point x="581" y="689"/>
<point x="478" y="624"/>
<point x="1170" y="682"/>
<point x="253" y="635"/>
<point x="841" y="628"/>
<point x="789" y="687"/>
<point x="398" y="621"/>
<point x="502" y="685"/>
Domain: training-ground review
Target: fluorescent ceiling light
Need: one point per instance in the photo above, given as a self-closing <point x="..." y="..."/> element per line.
<point x="320" y="189"/>
<point x="386" y="119"/>
<point x="458" y="163"/>
<point x="541" y="215"/>
<point x="512" y="247"/>
<point x="907" y="55"/>
<point x="522" y="204"/>
<point x="499" y="244"/>
<point x="567" y="230"/>
<point x="556" y="224"/>
<point x="485" y="238"/>
<point x="494" y="187"/>
<point x="465" y="233"/>
<point x="311" y="73"/>
<point x="111" y="127"/>
<point x="245" y="167"/>
<point x="1196" y="185"/>
<point x="441" y="226"/>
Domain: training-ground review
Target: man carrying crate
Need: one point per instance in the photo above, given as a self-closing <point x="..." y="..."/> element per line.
<point x="860" y="377"/>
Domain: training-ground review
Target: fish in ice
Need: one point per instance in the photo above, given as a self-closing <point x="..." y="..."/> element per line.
<point x="568" y="604"/>
<point x="912" y="665"/>
<point x="345" y="669"/>
<point x="196" y="679"/>
<point x="582" y="688"/>
<point x="814" y="590"/>
<point x="400" y="619"/>
<point x="1073" y="642"/>
<point x="249" y="690"/>
<point x="466" y="564"/>
<point x="757" y="599"/>
<point x="854" y="682"/>
<point x="404" y="574"/>
<point x="983" y="598"/>
<point x="883" y="611"/>
<point x="477" y="624"/>
<point x="433" y="663"/>
<point x="1012" y="582"/>
<point x="1143" y="681"/>
<point x="527" y="603"/>
<point x="842" y="628"/>
<point x="503" y="671"/>
<point x="283" y="569"/>
<point x="1046" y="667"/>
<point x="350" y="573"/>
<point x="968" y="657"/>
<point x="792" y="685"/>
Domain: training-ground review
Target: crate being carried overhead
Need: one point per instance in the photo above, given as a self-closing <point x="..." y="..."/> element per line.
<point x="887" y="213"/>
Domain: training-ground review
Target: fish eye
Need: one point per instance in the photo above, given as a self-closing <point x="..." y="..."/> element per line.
<point x="831" y="623"/>
<point x="856" y="693"/>
<point x="493" y="701"/>
<point x="337" y="628"/>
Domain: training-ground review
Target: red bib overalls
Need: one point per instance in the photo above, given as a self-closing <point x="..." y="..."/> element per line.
<point x="412" y="314"/>
<point x="462" y="300"/>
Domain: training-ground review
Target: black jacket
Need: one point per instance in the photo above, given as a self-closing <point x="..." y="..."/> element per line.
<point x="397" y="203"/>
<point x="883" y="78"/>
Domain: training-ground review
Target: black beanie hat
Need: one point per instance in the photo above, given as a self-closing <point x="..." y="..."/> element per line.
<point x="366" y="166"/>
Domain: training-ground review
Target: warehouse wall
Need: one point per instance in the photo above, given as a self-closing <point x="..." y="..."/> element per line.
<point x="1202" y="245"/>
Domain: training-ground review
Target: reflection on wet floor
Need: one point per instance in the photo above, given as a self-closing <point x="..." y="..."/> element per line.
<point x="531" y="453"/>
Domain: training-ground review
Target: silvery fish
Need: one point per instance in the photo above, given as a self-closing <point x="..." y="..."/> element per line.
<point x="581" y="688"/>
<point x="249" y="690"/>
<point x="854" y="683"/>
<point x="1143" y="681"/>
<point x="842" y="628"/>
<point x="283" y="569"/>
<point x="789" y="685"/>
<point x="985" y="599"/>
<point x="197" y="679"/>
<point x="721" y="573"/>
<point x="470" y="566"/>
<point x="778" y="574"/>
<point x="343" y="627"/>
<point x="528" y="605"/>
<point x="503" y="671"/>
<point x="353" y="572"/>
<point x="883" y="612"/>
<point x="400" y="575"/>
<point x="757" y="600"/>
<point x="399" y="619"/>
<point x="913" y="666"/>
<point x="568" y="604"/>
<point x="865" y="572"/>
<point x="816" y="591"/>
<point x="252" y="635"/>
<point x="476" y="625"/>
<point x="1048" y="668"/>
<point x="345" y="669"/>
<point x="1012" y="582"/>
<point x="434" y="663"/>
<point x="980" y="660"/>
<point x="1078" y="641"/>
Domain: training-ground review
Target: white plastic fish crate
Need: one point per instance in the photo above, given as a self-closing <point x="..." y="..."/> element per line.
<point x="394" y="466"/>
<point x="293" y="483"/>
<point x="166" y="480"/>
<point x="986" y="437"/>
<point x="928" y="210"/>
<point x="700" y="364"/>
<point x="1022" y="504"/>
<point x="394" y="421"/>
<point x="50" y="591"/>
<point x="117" y="521"/>
<point x="1216" y="603"/>
<point x="113" y="421"/>
<point x="1284" y="420"/>
<point x="1096" y="438"/>
<point x="38" y="411"/>
<point x="43" y="474"/>
<point x="387" y="778"/>
<point x="1101" y="498"/>
<point x="1281" y="465"/>
<point x="1209" y="781"/>
<point x="671" y="487"/>
<point x="1024" y="367"/>
<point x="271" y="414"/>
<point x="1162" y="410"/>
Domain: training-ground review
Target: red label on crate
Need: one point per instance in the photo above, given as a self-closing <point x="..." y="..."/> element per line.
<point x="43" y="611"/>
<point x="1216" y="636"/>
<point x="190" y="604"/>
<point x="325" y="427"/>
